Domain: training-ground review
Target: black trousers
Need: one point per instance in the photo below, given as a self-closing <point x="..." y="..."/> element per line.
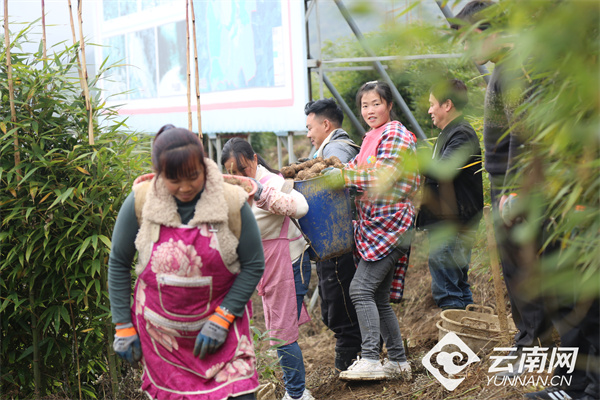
<point x="337" y="310"/>
<point x="577" y="321"/>
<point x="579" y="326"/>
<point x="529" y="312"/>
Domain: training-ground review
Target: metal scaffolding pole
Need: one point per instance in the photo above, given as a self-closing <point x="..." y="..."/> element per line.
<point x="343" y="105"/>
<point x="390" y="58"/>
<point x="379" y="68"/>
<point x="448" y="14"/>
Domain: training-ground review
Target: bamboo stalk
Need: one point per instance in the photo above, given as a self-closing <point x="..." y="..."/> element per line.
<point x="496" y="277"/>
<point x="44" y="54"/>
<point x="75" y="350"/>
<point x="86" y="89"/>
<point x="11" y="90"/>
<point x="74" y="42"/>
<point x="109" y="332"/>
<point x="187" y="54"/>
<point x="197" y="72"/>
<point x="37" y="375"/>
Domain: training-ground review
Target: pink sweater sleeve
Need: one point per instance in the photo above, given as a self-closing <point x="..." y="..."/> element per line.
<point x="277" y="202"/>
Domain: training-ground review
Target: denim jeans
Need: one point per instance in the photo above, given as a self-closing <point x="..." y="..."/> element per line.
<point x="290" y="355"/>
<point x="370" y="293"/>
<point x="302" y="278"/>
<point x="449" y="268"/>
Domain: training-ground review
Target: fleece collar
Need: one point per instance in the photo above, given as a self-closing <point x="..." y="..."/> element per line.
<point x="161" y="207"/>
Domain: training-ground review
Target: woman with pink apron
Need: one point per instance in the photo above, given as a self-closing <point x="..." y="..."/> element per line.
<point x="287" y="266"/>
<point x="189" y="323"/>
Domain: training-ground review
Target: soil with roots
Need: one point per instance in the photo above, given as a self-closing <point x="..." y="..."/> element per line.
<point x="417" y="315"/>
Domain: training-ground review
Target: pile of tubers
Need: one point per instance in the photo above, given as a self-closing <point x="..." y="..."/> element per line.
<point x="243" y="183"/>
<point x="302" y="171"/>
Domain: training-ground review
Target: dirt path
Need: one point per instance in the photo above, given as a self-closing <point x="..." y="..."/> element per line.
<point x="417" y="314"/>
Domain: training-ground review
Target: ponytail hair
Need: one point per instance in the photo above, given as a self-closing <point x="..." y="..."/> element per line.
<point x="382" y="89"/>
<point x="237" y="148"/>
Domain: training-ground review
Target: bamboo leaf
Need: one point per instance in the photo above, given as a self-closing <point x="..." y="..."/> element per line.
<point x="65" y="315"/>
<point x="29" y="174"/>
<point x="83" y="247"/>
<point x="96" y="266"/>
<point x="65" y="195"/>
<point x="26" y="353"/>
<point x="44" y="198"/>
<point x="28" y="252"/>
<point x="106" y="241"/>
<point x="83" y="171"/>
<point x="58" y="194"/>
<point x="57" y="319"/>
<point x="29" y="210"/>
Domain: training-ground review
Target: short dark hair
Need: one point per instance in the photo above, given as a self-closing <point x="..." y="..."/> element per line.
<point x="471" y="14"/>
<point x="454" y="90"/>
<point x="177" y="152"/>
<point x="326" y="108"/>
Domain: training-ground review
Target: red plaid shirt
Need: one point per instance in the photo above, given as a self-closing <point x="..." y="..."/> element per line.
<point x="385" y="209"/>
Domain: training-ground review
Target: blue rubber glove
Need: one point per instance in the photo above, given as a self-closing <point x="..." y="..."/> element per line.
<point x="334" y="177"/>
<point x="127" y="344"/>
<point x="258" y="190"/>
<point x="213" y="333"/>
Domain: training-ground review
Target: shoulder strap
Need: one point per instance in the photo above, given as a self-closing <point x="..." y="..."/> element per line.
<point x="231" y="197"/>
<point x="344" y="141"/>
<point x="140" y="191"/>
<point x="288" y="186"/>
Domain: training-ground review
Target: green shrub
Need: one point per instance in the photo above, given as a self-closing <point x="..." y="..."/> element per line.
<point x="58" y="209"/>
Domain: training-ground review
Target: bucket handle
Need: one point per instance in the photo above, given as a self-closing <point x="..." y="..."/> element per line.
<point x="475" y="323"/>
<point x="480" y="308"/>
<point x="306" y="238"/>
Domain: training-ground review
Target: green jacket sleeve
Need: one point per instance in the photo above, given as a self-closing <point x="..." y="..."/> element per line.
<point x="252" y="261"/>
<point x="120" y="261"/>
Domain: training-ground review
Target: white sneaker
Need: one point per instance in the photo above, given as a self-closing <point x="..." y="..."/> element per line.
<point x="396" y="369"/>
<point x="363" y="370"/>
<point x="305" y="396"/>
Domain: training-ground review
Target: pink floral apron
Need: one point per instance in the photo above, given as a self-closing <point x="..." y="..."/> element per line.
<point x="183" y="283"/>
<point x="278" y="289"/>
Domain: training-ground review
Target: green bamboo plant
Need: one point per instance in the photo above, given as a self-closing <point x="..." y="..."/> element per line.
<point x="58" y="208"/>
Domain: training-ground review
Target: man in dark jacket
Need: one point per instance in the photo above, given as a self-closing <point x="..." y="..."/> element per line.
<point x="324" y="120"/>
<point x="452" y="196"/>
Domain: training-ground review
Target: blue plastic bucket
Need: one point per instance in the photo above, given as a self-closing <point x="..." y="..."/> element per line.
<point x="328" y="223"/>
